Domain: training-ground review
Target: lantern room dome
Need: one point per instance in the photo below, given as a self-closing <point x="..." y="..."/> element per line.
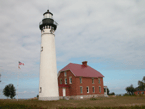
<point x="47" y="21"/>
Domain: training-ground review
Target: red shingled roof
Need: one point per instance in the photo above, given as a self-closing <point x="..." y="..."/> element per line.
<point x="81" y="70"/>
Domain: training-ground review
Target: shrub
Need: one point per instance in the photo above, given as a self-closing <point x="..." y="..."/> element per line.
<point x="93" y="98"/>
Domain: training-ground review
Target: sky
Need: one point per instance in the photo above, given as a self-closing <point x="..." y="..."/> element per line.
<point x="109" y="34"/>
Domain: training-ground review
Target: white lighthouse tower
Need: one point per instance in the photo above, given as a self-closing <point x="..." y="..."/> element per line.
<point x="48" y="85"/>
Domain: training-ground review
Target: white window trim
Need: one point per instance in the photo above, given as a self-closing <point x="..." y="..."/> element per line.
<point x="94" y="89"/>
<point x="99" y="89"/>
<point x="80" y="80"/>
<point x="70" y="80"/>
<point x="82" y="89"/>
<point x="65" y="80"/>
<point x="88" y="89"/>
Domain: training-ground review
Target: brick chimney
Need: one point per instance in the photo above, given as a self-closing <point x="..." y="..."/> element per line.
<point x="84" y="63"/>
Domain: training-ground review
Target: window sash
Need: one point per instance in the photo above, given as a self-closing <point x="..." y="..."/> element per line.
<point x="60" y="80"/>
<point x="70" y="80"/>
<point x="81" y="89"/>
<point x="65" y="80"/>
<point x="99" y="80"/>
<point x="92" y="80"/>
<point x="99" y="89"/>
<point x="65" y="74"/>
<point x="93" y="88"/>
<point x="87" y="89"/>
<point x="80" y="80"/>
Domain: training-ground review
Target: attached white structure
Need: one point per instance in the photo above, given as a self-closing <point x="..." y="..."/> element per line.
<point x="48" y="84"/>
<point x="105" y="92"/>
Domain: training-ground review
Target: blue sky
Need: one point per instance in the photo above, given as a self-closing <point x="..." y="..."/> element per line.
<point x="107" y="34"/>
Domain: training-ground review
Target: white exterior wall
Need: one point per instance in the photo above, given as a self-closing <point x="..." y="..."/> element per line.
<point x="48" y="69"/>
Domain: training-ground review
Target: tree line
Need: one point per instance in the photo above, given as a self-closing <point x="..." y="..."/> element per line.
<point x="141" y="86"/>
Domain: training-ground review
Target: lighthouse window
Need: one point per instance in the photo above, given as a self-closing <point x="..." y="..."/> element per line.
<point x="41" y="49"/>
<point x="40" y="90"/>
<point x="47" y="16"/>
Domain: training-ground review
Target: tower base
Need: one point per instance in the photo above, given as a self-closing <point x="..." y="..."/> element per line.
<point x="48" y="98"/>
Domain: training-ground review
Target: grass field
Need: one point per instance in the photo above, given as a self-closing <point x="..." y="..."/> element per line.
<point x="101" y="102"/>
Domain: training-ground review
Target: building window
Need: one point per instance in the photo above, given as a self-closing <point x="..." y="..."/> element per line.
<point x="60" y="80"/>
<point x="99" y="80"/>
<point x="41" y="49"/>
<point x="65" y="74"/>
<point x="93" y="88"/>
<point x="138" y="92"/>
<point x="92" y="80"/>
<point x="87" y="89"/>
<point x="142" y="92"/>
<point x="80" y="79"/>
<point x="65" y="80"/>
<point x="40" y="91"/>
<point x="81" y="89"/>
<point x="70" y="80"/>
<point x="100" y="89"/>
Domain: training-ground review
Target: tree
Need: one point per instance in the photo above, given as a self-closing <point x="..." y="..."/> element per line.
<point x="141" y="84"/>
<point x="112" y="93"/>
<point x="108" y="91"/>
<point x="9" y="91"/>
<point x="6" y="91"/>
<point x="130" y="90"/>
<point x="12" y="91"/>
<point x="37" y="96"/>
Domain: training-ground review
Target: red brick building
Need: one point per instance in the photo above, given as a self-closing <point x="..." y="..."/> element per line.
<point x="80" y="81"/>
<point x="139" y="91"/>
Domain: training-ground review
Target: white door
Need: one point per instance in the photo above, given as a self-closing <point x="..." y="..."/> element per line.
<point x="64" y="92"/>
